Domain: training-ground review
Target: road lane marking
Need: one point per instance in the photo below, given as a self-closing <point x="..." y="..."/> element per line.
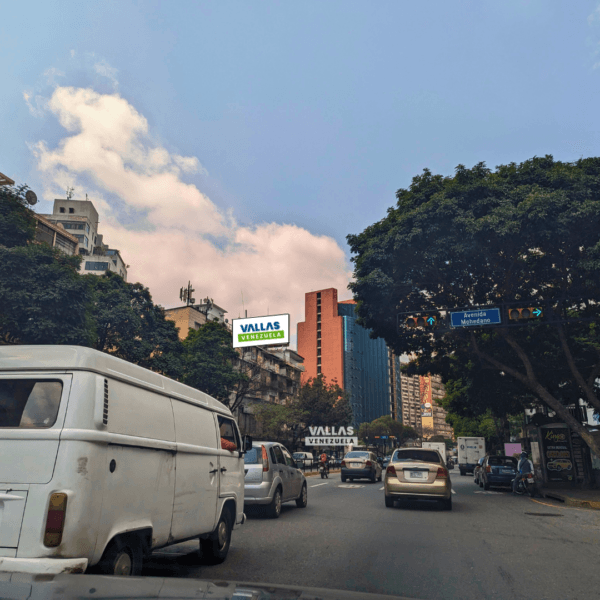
<point x="349" y="486"/>
<point x="382" y="488"/>
<point x="453" y="492"/>
<point x="318" y="484"/>
<point x="480" y="492"/>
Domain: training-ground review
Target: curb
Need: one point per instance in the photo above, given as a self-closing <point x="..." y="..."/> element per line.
<point x="569" y="501"/>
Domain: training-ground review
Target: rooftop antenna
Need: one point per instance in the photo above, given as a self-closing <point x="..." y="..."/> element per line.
<point x="70" y="191"/>
<point x="86" y="198"/>
<point x="243" y="307"/>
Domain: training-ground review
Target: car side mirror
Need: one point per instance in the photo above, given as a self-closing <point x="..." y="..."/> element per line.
<point x="247" y="443"/>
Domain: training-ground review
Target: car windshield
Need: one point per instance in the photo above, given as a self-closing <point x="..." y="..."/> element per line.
<point x="357" y="455"/>
<point x="504" y="461"/>
<point x="416" y="455"/>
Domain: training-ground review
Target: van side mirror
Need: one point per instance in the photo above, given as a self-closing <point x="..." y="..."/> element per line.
<point x="247" y="443"/>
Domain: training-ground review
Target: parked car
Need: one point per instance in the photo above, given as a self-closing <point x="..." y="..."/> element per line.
<point x="103" y="461"/>
<point x="497" y="471"/>
<point x="477" y="470"/>
<point x="360" y="464"/>
<point x="272" y="477"/>
<point x="304" y="459"/>
<point x="417" y="473"/>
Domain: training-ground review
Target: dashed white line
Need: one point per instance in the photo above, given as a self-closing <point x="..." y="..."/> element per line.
<point x="453" y="492"/>
<point x="318" y="484"/>
<point x="382" y="488"/>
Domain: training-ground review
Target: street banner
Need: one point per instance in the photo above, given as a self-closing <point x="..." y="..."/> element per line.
<point x="557" y="453"/>
<point x="426" y="397"/>
<point x="261" y="331"/>
<point x="513" y="450"/>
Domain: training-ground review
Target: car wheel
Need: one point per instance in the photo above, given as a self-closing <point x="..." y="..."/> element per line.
<point x="343" y="479"/>
<point x="462" y="473"/>
<point x="274" y="509"/>
<point x="389" y="501"/>
<point x="380" y="476"/>
<point x="302" y="500"/>
<point x="446" y="504"/>
<point x="123" y="556"/>
<point x="373" y="478"/>
<point x="215" y="548"/>
<point x="486" y="485"/>
<point x="475" y="481"/>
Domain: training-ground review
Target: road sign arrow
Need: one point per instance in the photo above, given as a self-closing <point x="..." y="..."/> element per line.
<point x="431" y="320"/>
<point x="537" y="312"/>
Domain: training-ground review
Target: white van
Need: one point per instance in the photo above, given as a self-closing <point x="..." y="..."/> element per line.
<point x="103" y="461"/>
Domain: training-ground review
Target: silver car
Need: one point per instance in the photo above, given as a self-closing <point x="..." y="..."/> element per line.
<point x="271" y="478"/>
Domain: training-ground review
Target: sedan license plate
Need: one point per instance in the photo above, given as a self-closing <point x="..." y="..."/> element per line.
<point x="418" y="475"/>
<point x="356" y="465"/>
<point x="507" y="471"/>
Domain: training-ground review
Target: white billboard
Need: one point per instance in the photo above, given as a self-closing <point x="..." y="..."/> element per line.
<point x="261" y="331"/>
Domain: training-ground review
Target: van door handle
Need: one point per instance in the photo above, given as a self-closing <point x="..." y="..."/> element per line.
<point x="7" y="497"/>
<point x="213" y="471"/>
<point x="223" y="469"/>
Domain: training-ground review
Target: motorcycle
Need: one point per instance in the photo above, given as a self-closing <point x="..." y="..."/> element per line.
<point x="526" y="485"/>
<point x="324" y="471"/>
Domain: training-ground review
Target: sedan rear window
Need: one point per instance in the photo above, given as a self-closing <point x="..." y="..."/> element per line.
<point x="253" y="457"/>
<point x="504" y="461"/>
<point x="416" y="455"/>
<point x="29" y="403"/>
<point x="357" y="455"/>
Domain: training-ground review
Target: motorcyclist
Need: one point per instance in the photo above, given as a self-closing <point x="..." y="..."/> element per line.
<point x="524" y="467"/>
<point x="324" y="461"/>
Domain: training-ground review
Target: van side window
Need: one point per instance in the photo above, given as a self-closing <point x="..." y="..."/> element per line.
<point x="279" y="455"/>
<point x="29" y="403"/>
<point x="228" y="432"/>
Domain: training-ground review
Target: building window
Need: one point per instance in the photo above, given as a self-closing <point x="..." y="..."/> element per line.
<point x="95" y="266"/>
<point x="61" y="209"/>
<point x="71" y="211"/>
<point x="87" y="225"/>
<point x="69" y="225"/>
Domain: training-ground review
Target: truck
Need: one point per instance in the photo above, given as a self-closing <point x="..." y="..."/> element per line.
<point x="439" y="446"/>
<point x="470" y="450"/>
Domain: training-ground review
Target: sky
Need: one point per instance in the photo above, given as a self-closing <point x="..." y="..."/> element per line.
<point x="236" y="144"/>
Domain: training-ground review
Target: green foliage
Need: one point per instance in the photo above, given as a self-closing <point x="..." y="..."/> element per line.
<point x="525" y="233"/>
<point x="386" y="425"/>
<point x="318" y="404"/>
<point x="209" y="360"/>
<point x="130" y="326"/>
<point x="43" y="299"/>
<point x="17" y="223"/>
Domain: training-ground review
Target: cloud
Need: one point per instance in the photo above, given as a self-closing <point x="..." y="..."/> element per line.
<point x="36" y="104"/>
<point x="178" y="233"/>
<point x="105" y="70"/>
<point x="595" y="16"/>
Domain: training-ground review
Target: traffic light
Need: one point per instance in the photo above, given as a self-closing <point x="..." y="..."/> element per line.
<point x="422" y="321"/>
<point x="522" y="314"/>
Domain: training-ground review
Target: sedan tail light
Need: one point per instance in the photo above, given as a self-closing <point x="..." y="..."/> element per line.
<point x="391" y="471"/>
<point x="265" y="459"/>
<point x="343" y="463"/>
<point x="441" y="473"/>
<point x="368" y="464"/>
<point x="488" y="469"/>
<point x="55" y="520"/>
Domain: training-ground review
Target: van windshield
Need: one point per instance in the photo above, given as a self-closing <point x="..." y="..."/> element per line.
<point x="29" y="403"/>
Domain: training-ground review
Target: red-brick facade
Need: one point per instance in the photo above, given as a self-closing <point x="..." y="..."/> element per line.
<point x="325" y="354"/>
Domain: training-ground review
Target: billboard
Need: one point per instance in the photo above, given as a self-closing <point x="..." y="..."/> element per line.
<point x="261" y="331"/>
<point x="426" y="398"/>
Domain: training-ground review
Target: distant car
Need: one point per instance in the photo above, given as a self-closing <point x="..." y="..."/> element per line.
<point x="271" y="477"/>
<point x="386" y="462"/>
<point x="361" y="464"/>
<point x="497" y="471"/>
<point x="304" y="459"/>
<point x="417" y="473"/>
<point x="559" y="464"/>
<point x="477" y="470"/>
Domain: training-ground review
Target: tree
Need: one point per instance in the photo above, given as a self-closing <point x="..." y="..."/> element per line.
<point x="524" y="233"/>
<point x="130" y="326"/>
<point x="318" y="404"/>
<point x="387" y="426"/>
<point x="43" y="299"/>
<point x="209" y="361"/>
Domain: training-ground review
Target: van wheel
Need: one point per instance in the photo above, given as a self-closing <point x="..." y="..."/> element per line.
<point x="343" y="479"/>
<point x="302" y="500"/>
<point x="123" y="556"/>
<point x="215" y="548"/>
<point x="274" y="509"/>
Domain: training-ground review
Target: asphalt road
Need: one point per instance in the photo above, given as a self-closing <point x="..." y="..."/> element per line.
<point x="490" y="546"/>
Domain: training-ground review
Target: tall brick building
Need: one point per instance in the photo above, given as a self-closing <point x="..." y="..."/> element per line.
<point x="334" y="345"/>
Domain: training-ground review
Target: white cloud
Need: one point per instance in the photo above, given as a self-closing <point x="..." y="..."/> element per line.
<point x="595" y="16"/>
<point x="108" y="142"/>
<point x="36" y="104"/>
<point x="105" y="70"/>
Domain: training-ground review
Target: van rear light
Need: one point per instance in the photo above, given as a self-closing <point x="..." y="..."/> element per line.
<point x="265" y="459"/>
<point x="442" y="473"/>
<point x="55" y="520"/>
<point x="391" y="471"/>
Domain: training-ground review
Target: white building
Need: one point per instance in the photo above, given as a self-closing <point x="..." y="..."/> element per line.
<point x="80" y="219"/>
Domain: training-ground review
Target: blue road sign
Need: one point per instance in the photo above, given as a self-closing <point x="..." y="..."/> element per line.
<point x="472" y="318"/>
<point x="384" y="437"/>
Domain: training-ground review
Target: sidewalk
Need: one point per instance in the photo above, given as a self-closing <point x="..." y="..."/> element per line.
<point x="581" y="498"/>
